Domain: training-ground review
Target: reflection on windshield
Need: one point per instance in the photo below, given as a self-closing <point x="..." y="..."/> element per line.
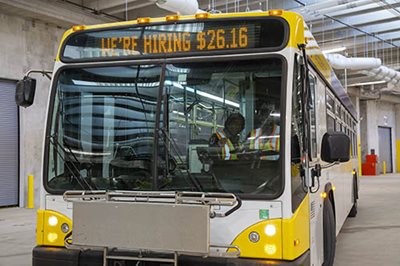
<point x="219" y="128"/>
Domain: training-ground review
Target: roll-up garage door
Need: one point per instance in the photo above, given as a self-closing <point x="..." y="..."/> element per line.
<point x="8" y="145"/>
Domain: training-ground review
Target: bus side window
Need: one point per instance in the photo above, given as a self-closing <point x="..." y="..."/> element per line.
<point x="330" y="112"/>
<point x="313" y="129"/>
<point x="330" y="123"/>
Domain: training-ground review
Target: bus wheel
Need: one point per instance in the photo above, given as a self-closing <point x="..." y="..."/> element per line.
<point x="329" y="224"/>
<point x="353" y="211"/>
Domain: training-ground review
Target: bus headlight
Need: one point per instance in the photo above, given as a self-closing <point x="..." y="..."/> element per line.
<point x="270" y="249"/>
<point x="270" y="230"/>
<point x="261" y="240"/>
<point x="52" y="237"/>
<point x="52" y="227"/>
<point x="53" y="221"/>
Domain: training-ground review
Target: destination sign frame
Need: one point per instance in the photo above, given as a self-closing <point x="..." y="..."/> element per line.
<point x="231" y="36"/>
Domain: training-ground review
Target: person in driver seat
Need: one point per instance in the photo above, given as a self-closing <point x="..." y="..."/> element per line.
<point x="266" y="136"/>
<point x="228" y="138"/>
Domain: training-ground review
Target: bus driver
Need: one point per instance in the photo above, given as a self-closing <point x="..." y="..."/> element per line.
<point x="228" y="138"/>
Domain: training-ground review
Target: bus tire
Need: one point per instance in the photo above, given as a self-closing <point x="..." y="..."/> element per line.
<point x="329" y="225"/>
<point x="353" y="211"/>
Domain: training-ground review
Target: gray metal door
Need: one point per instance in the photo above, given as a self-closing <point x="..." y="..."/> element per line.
<point x="385" y="147"/>
<point x="9" y="181"/>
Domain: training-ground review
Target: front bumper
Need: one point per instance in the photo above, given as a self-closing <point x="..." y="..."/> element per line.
<point x="50" y="256"/>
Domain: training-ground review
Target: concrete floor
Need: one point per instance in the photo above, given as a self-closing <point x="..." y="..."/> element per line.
<point x="372" y="238"/>
<point x="17" y="236"/>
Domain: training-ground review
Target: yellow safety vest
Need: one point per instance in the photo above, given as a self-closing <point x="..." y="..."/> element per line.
<point x="227" y="147"/>
<point x="258" y="141"/>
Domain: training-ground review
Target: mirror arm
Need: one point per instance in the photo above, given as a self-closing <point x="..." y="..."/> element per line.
<point x="45" y="73"/>
<point x="326" y="166"/>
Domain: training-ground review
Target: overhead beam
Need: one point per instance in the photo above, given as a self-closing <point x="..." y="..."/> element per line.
<point x="356" y="21"/>
<point x="373" y="7"/>
<point x="145" y="11"/>
<point x="348" y="33"/>
<point x="135" y="4"/>
<point x="106" y="4"/>
<point x="54" y="12"/>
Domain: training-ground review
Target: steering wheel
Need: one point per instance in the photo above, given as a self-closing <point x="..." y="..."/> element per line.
<point x="254" y="154"/>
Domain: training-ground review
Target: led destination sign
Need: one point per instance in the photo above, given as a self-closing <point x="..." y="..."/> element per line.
<point x="162" y="43"/>
<point x="175" y="39"/>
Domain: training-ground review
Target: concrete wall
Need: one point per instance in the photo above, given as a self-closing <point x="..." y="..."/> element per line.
<point x="378" y="114"/>
<point x="26" y="44"/>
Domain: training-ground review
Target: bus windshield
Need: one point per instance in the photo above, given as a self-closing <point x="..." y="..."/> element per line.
<point x="204" y="126"/>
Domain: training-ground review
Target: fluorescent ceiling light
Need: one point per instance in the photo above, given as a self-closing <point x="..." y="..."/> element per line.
<point x="334" y="50"/>
<point x="202" y="93"/>
<point x="366" y="83"/>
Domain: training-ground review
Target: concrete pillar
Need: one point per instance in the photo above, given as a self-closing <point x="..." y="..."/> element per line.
<point x="397" y="138"/>
<point x="363" y="129"/>
<point x="372" y="127"/>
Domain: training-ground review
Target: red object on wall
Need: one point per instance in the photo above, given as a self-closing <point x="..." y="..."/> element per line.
<point x="371" y="158"/>
<point x="369" y="167"/>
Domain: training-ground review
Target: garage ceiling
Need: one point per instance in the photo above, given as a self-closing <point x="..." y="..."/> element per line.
<point x="362" y="27"/>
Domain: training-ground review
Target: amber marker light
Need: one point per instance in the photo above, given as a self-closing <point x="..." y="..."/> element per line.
<point x="324" y="195"/>
<point x="202" y="15"/>
<point x="143" y="20"/>
<point x="172" y="18"/>
<point x="78" y="27"/>
<point x="276" y="12"/>
<point x="333" y="188"/>
<point x="296" y="242"/>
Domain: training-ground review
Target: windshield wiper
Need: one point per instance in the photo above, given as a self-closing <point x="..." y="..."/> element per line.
<point x="79" y="178"/>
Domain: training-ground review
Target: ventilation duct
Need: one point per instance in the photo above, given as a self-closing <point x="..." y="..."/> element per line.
<point x="339" y="61"/>
<point x="182" y="7"/>
<point x="368" y="66"/>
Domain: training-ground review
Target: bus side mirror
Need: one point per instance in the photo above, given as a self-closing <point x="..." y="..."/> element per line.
<point x="335" y="147"/>
<point x="25" y="92"/>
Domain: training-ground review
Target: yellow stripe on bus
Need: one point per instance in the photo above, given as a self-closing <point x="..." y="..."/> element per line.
<point x="291" y="240"/>
<point x="296" y="232"/>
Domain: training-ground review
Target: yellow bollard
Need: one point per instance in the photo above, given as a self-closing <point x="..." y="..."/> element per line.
<point x="31" y="187"/>
<point x="398" y="155"/>
<point x="384" y="167"/>
<point x="359" y="155"/>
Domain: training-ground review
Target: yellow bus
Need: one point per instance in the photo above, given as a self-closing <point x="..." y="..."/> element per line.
<point x="219" y="139"/>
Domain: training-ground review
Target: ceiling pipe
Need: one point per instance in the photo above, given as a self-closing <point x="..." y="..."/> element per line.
<point x="389" y="75"/>
<point x="320" y="13"/>
<point x="310" y="10"/>
<point x="181" y="7"/>
<point x="369" y="66"/>
<point x="339" y="61"/>
<point x="321" y="5"/>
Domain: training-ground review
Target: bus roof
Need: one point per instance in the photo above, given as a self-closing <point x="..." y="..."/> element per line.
<point x="320" y="62"/>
